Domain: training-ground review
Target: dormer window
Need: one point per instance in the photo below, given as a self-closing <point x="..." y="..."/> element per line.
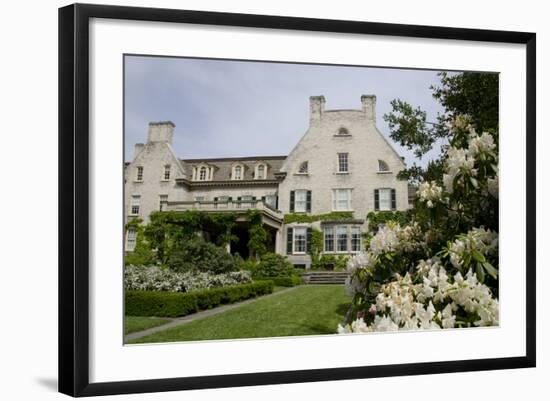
<point x="237" y="172"/>
<point x="202" y="174"/>
<point x="303" y="169"/>
<point x="261" y="172"/>
<point x="383" y="167"/>
<point x="343" y="132"/>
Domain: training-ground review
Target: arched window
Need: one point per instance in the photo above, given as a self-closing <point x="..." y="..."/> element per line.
<point x="303" y="169"/>
<point x="343" y="132"/>
<point x="261" y="172"/>
<point x="202" y="174"/>
<point x="238" y="172"/>
<point x="383" y="166"/>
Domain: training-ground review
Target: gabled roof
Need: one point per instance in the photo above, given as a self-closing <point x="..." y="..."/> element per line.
<point x="224" y="165"/>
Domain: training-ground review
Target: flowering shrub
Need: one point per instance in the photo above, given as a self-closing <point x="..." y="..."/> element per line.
<point x="157" y="279"/>
<point x="440" y="270"/>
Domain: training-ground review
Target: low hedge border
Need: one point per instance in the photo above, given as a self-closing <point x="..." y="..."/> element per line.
<point x="283" y="281"/>
<point x="177" y="304"/>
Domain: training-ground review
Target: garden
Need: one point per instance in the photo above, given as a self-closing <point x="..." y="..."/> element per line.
<point x="435" y="266"/>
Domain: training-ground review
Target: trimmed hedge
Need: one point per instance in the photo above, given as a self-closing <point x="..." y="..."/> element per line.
<point x="283" y="281"/>
<point x="175" y="304"/>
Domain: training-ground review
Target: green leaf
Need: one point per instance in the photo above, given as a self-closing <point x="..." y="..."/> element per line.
<point x="480" y="273"/>
<point x="372" y="287"/>
<point x="474" y="182"/>
<point x="389" y="256"/>
<point x="490" y="270"/>
<point x="478" y="256"/>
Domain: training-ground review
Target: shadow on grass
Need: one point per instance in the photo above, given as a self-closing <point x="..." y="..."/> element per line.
<point x="342" y="309"/>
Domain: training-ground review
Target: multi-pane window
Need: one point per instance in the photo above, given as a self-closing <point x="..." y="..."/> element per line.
<point x="261" y="172"/>
<point x="303" y="168"/>
<point x="385" y="199"/>
<point x="300" y="200"/>
<point x="329" y="239"/>
<point x="355" y="239"/>
<point x="139" y="173"/>
<point x="343" y="162"/>
<point x="166" y="174"/>
<point x="238" y="173"/>
<point x="131" y="236"/>
<point x="341" y="238"/>
<point x="163" y="201"/>
<point x="134" y="206"/>
<point x="200" y="198"/>
<point x="341" y="199"/>
<point x="300" y="234"/>
<point x="202" y="174"/>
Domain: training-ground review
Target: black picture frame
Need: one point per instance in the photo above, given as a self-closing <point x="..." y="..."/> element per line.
<point x="74" y="198"/>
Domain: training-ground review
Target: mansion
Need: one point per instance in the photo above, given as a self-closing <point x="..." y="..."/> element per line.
<point x="341" y="164"/>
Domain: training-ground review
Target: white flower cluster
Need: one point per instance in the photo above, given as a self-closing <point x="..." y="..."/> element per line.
<point x="478" y="239"/>
<point x="392" y="237"/>
<point x="430" y="192"/>
<point x="457" y="160"/>
<point x="153" y="278"/>
<point x="403" y="305"/>
<point x="361" y="261"/>
<point x="480" y="144"/>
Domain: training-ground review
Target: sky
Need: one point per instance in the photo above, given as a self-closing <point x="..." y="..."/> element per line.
<point x="224" y="108"/>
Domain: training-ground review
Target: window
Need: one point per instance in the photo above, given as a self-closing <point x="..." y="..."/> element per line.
<point x="200" y="198"/>
<point x="383" y="166"/>
<point x="300" y="200"/>
<point x="355" y="239"/>
<point x="341" y="199"/>
<point x="260" y="172"/>
<point x="343" y="132"/>
<point x="166" y="175"/>
<point x="341" y="239"/>
<point x="385" y="199"/>
<point x="163" y="200"/>
<point x="303" y="168"/>
<point x="300" y="234"/>
<point x="131" y="236"/>
<point x="343" y="166"/>
<point x="134" y="205"/>
<point x="329" y="239"/>
<point x="202" y="174"/>
<point x="238" y="173"/>
<point x="271" y="201"/>
<point x="139" y="173"/>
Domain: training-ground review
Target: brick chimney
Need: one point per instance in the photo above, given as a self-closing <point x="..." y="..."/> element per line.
<point x="161" y="131"/>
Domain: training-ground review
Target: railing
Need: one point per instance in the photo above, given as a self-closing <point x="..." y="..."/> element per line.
<point x="224" y="205"/>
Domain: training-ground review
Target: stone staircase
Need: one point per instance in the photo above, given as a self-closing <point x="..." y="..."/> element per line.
<point x="325" y="277"/>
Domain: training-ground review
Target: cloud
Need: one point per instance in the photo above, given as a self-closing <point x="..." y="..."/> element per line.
<point x="235" y="108"/>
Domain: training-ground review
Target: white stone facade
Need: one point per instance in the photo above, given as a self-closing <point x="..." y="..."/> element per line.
<point x="341" y="163"/>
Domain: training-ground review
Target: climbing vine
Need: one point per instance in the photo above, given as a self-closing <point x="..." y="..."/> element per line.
<point x="307" y="218"/>
<point x="259" y="236"/>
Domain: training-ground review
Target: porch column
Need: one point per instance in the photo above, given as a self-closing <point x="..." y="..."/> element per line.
<point x="278" y="241"/>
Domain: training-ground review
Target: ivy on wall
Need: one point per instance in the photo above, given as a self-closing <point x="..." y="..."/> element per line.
<point x="308" y="218"/>
<point x="258" y="235"/>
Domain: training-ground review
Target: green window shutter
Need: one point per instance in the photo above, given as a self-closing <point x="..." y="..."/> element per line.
<point x="393" y="201"/>
<point x="291" y="201"/>
<point x="253" y="198"/>
<point x="289" y="240"/>
<point x="263" y="199"/>
<point x="376" y="200"/>
<point x="308" y="240"/>
<point x="308" y="202"/>
<point x="216" y="199"/>
<point x="229" y="199"/>
<point x="277" y="202"/>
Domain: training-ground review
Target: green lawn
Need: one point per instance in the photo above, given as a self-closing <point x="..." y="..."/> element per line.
<point x="306" y="310"/>
<point x="134" y="323"/>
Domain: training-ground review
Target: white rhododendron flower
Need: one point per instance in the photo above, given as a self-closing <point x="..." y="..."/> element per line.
<point x="430" y="192"/>
<point x="483" y="241"/>
<point x="492" y="186"/>
<point x="479" y="144"/>
<point x="430" y="305"/>
<point x="457" y="160"/>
